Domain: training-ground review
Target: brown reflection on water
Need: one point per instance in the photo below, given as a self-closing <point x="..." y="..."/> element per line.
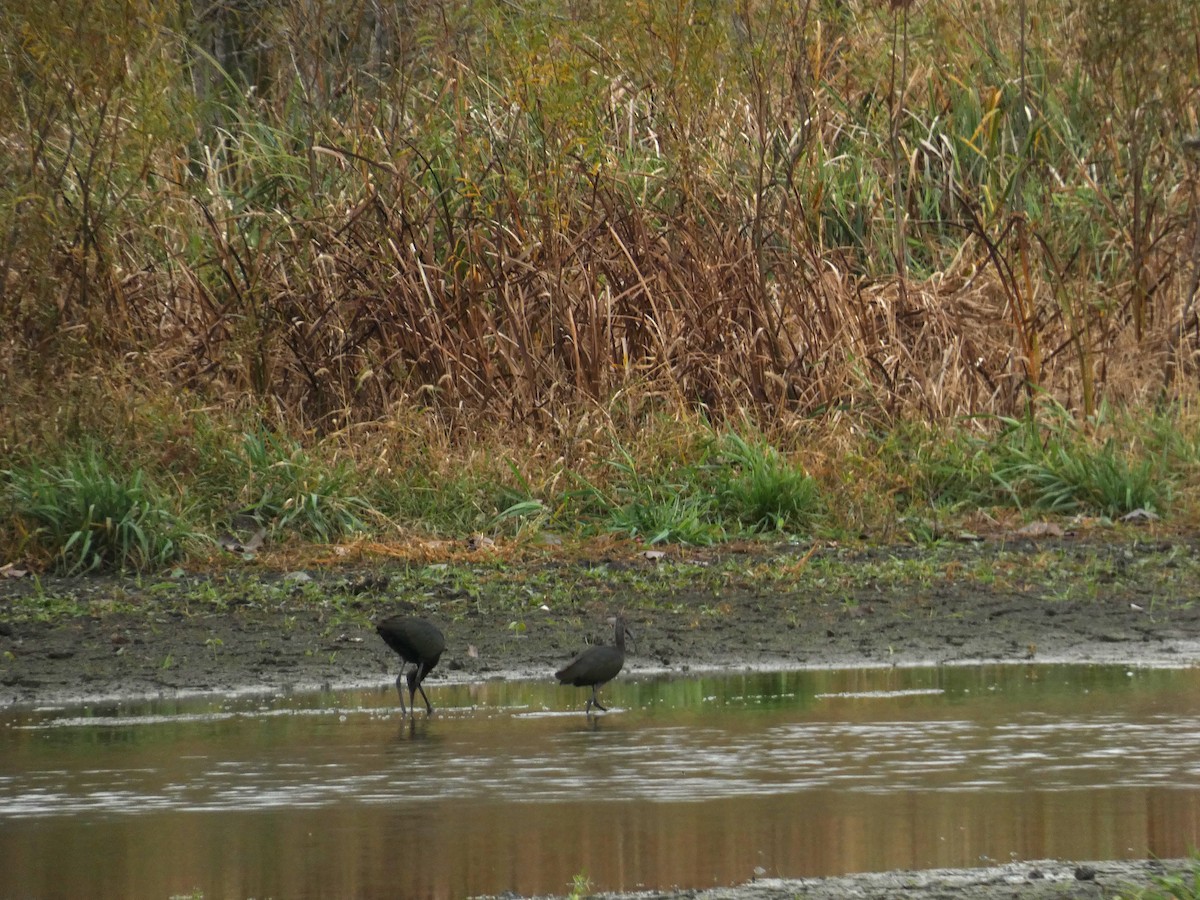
<point x="464" y="849"/>
<point x="694" y="784"/>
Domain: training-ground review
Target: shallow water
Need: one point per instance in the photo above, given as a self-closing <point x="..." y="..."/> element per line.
<point x="690" y="782"/>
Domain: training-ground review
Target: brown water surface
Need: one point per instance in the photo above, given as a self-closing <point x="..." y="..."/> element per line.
<point x="686" y="782"/>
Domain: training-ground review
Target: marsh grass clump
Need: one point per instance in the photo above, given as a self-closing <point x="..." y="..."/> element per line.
<point x="284" y="487"/>
<point x="723" y="486"/>
<point x="1068" y="480"/>
<point x="1178" y="885"/>
<point x="942" y="469"/>
<point x="761" y="491"/>
<point x="580" y="886"/>
<point x="1051" y="464"/>
<point x="89" y="515"/>
<point x="655" y="502"/>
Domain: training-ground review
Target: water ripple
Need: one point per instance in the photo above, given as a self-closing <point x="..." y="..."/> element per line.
<point x="261" y="758"/>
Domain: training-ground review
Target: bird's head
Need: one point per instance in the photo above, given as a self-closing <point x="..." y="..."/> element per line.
<point x="621" y="630"/>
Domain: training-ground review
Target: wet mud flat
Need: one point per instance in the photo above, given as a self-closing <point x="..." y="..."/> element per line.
<point x="1038" y="880"/>
<point x="1121" y="601"/>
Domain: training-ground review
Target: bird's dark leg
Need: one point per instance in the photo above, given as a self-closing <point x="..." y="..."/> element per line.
<point x="428" y="705"/>
<point x="414" y="687"/>
<point x="595" y="701"/>
<point x="400" y="690"/>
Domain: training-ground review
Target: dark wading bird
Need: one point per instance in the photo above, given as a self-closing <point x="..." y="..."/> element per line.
<point x="417" y="642"/>
<point x="597" y="665"/>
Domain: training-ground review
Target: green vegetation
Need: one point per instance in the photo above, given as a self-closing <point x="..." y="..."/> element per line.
<point x="91" y="517"/>
<point x="581" y="886"/>
<point x="95" y="514"/>
<point x="1183" y="885"/>
<point x="694" y="584"/>
<point x="282" y="484"/>
<point x="679" y="272"/>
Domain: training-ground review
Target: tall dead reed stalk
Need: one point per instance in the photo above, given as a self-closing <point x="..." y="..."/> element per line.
<point x="517" y="211"/>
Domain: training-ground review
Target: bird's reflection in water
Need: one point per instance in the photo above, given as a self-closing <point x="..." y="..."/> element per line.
<point x="603" y="723"/>
<point x="412" y="729"/>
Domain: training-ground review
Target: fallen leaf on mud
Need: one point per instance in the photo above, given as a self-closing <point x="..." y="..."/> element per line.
<point x="1140" y="516"/>
<point x="1041" y="529"/>
<point x="652" y="555"/>
<point x="472" y="651"/>
<point x="12" y="570"/>
<point x="480" y="542"/>
<point x="236" y="545"/>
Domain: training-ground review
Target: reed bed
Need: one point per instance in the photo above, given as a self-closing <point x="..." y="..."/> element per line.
<point x="545" y="224"/>
<point x="528" y="206"/>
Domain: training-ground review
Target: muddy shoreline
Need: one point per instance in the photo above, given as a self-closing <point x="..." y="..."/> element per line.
<point x="1033" y="880"/>
<point x="1129" y="600"/>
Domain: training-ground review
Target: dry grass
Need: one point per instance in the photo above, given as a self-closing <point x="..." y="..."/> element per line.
<point x="673" y="215"/>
